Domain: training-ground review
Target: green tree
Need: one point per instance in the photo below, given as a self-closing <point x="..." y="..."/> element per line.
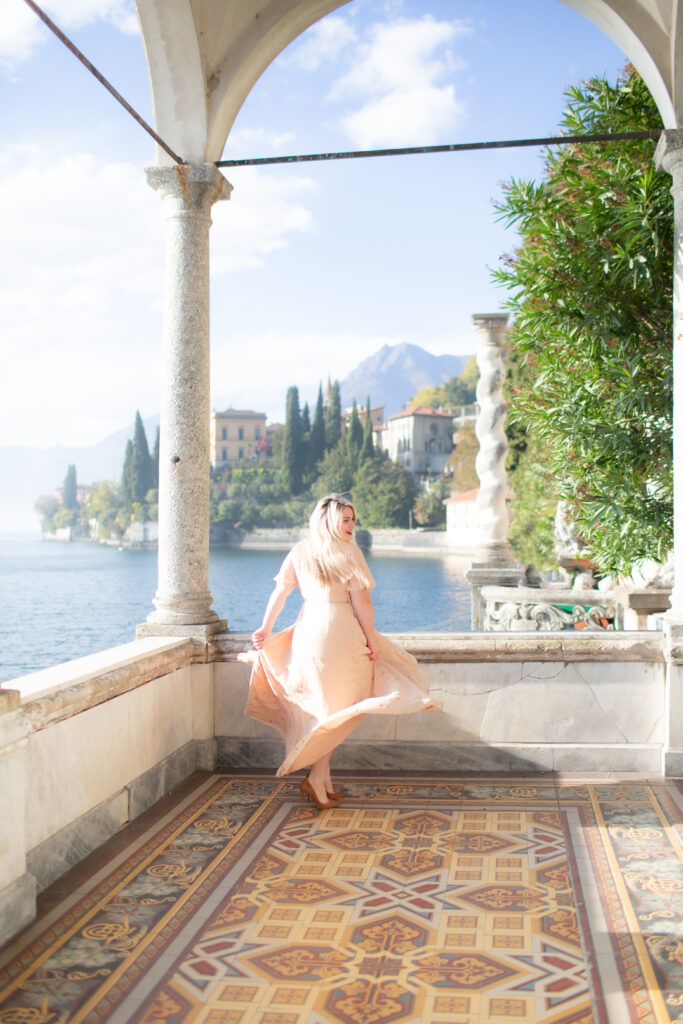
<point x="142" y="466"/>
<point x="306" y="419"/>
<point x="463" y="458"/>
<point x="354" y="435"/>
<point x="429" y="508"/>
<point x="127" y="495"/>
<point x="591" y="296"/>
<point x="292" y="468"/>
<point x="70" y="490"/>
<point x="305" y="438"/>
<point x="46" y="506"/>
<point x="367" y="448"/>
<point x="336" y="472"/>
<point x="383" y="494"/>
<point x="532" y="510"/>
<point x="155" y="457"/>
<point x="333" y="416"/>
<point x="457" y="391"/>
<point x="316" y="448"/>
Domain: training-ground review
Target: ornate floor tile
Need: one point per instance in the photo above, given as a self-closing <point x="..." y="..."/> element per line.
<point x="478" y="901"/>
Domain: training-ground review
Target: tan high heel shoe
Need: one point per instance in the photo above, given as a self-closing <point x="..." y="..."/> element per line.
<point x="332" y="794"/>
<point x="308" y="791"/>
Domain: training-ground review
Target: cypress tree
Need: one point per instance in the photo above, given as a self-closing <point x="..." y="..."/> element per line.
<point x="292" y="449"/>
<point x="126" y="476"/>
<point x="155" y="458"/>
<point x="333" y="416"/>
<point x="305" y="438"/>
<point x="354" y="435"/>
<point x="316" y="448"/>
<point x="69" y="492"/>
<point x="142" y="467"/>
<point x="367" y="448"/>
<point x="306" y="419"/>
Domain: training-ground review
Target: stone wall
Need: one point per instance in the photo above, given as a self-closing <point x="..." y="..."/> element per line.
<point x="563" y="702"/>
<point x="86" y="747"/>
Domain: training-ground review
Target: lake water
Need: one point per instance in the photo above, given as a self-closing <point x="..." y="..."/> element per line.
<point x="61" y="601"/>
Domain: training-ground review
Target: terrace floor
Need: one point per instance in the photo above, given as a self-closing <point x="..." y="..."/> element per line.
<point x="452" y="899"/>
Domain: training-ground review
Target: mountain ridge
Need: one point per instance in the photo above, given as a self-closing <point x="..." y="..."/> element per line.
<point x="393" y="374"/>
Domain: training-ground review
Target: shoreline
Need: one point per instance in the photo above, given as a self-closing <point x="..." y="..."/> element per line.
<point x="412" y="543"/>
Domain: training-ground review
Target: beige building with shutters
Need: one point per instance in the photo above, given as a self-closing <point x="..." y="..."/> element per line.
<point x="235" y="434"/>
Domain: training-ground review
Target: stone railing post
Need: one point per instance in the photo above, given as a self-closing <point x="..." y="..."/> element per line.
<point x="493" y="563"/>
<point x="17" y="886"/>
<point x="183" y="601"/>
<point x="669" y="157"/>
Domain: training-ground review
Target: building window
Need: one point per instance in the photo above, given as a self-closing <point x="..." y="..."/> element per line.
<point x="240" y="435"/>
<point x="257" y="433"/>
<point x="225" y="455"/>
<point x="241" y="453"/>
<point x="224" y="434"/>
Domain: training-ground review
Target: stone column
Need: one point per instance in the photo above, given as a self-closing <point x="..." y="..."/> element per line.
<point x="669" y="157"/>
<point x="183" y="601"/>
<point x="493" y="563"/>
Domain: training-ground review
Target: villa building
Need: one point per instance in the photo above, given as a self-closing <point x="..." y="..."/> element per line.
<point x="420" y="439"/>
<point x="236" y="434"/>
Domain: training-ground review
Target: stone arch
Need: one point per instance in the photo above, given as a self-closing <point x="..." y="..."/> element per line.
<point x="647" y="31"/>
<point x="204" y="56"/>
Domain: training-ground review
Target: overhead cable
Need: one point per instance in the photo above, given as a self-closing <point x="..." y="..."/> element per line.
<point x="457" y="147"/>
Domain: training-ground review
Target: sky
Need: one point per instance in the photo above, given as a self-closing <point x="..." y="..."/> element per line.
<point x="313" y="266"/>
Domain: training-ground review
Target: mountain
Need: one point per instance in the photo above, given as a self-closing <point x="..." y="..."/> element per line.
<point x="395" y="373"/>
<point x="28" y="472"/>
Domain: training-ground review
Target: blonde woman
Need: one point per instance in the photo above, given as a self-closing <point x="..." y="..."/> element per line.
<point x="314" y="681"/>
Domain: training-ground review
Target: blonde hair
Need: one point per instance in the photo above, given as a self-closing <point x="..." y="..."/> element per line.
<point x="329" y="550"/>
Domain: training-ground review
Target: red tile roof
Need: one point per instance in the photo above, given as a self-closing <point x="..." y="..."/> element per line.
<point x="421" y="410"/>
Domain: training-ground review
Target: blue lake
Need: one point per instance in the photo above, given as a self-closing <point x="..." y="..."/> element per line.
<point x="61" y="601"/>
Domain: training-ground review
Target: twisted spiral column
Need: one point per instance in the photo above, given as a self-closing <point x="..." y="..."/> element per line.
<point x="493" y="563"/>
<point x="492" y="547"/>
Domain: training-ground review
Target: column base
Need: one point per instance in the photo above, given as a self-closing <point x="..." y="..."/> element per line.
<point x="483" y="574"/>
<point x="194" y="630"/>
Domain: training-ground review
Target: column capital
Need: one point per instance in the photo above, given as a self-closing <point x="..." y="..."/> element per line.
<point x="491" y="323"/>
<point x="190" y="182"/>
<point x="669" y="151"/>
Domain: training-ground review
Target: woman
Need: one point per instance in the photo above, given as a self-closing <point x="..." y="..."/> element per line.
<point x="314" y="681"/>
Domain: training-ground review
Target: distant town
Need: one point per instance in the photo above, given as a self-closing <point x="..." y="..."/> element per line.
<point x="403" y="470"/>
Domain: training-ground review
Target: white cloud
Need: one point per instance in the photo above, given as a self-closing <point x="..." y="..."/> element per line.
<point x="401" y="77"/>
<point x="252" y="142"/>
<point x="21" y="31"/>
<point x="264" y="211"/>
<point x="81" y="285"/>
<point x="418" y="116"/>
<point x="323" y="42"/>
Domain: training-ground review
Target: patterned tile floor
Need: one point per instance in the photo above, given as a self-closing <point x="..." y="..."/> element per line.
<point x="452" y="900"/>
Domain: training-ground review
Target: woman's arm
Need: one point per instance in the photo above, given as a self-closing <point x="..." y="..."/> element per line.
<point x="364" y="612"/>
<point x="275" y="605"/>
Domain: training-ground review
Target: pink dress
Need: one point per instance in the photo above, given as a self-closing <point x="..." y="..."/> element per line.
<point x="314" y="681"/>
